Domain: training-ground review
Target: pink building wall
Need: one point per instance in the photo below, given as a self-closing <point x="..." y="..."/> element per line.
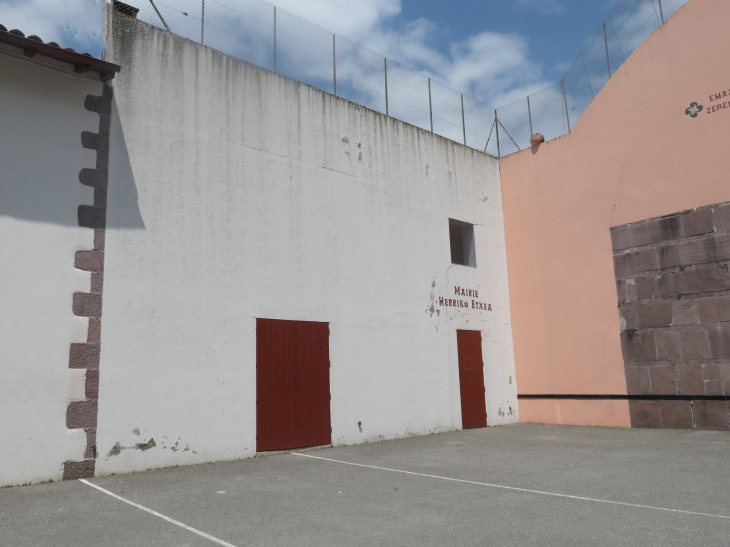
<point x="634" y="154"/>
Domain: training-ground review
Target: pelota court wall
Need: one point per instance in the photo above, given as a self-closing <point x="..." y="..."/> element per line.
<point x="634" y="155"/>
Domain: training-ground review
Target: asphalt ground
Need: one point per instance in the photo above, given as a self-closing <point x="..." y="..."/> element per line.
<point x="564" y="486"/>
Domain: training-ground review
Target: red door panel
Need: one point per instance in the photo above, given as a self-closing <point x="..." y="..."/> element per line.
<point x="292" y="384"/>
<point x="471" y="379"/>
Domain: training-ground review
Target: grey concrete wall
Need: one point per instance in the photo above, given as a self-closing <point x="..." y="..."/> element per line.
<point x="236" y="193"/>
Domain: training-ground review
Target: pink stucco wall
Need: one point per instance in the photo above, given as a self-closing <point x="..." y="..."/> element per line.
<point x="633" y="155"/>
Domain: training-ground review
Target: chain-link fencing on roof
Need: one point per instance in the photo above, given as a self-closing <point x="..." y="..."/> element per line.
<point x="267" y="36"/>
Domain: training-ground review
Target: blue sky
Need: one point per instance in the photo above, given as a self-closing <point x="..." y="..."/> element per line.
<point x="494" y="50"/>
<point x="556" y="30"/>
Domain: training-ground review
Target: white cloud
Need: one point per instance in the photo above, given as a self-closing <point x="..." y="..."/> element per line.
<point x="355" y="20"/>
<point x="71" y="23"/>
<point x="492" y="67"/>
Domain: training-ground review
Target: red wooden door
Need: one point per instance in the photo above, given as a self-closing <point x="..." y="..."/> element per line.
<point x="471" y="379"/>
<point x="292" y="384"/>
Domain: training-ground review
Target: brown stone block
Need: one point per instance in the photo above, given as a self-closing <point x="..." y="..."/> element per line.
<point x="676" y="415"/>
<point x="711" y="415"/>
<point x="629" y="318"/>
<point x="697" y="251"/>
<point x="655" y="315"/>
<point x="684" y="312"/>
<point x="90" y="261"/>
<point x="90" y="216"/>
<point x="714" y="278"/>
<point x="622" y="238"/>
<point x="711" y="371"/>
<point x="689" y="380"/>
<point x="81" y="415"/>
<point x="667" y="345"/>
<point x="713" y="387"/>
<point x="94" y="336"/>
<point x="664" y="286"/>
<point x="720" y="248"/>
<point x="631" y="290"/>
<point x="695" y="344"/>
<point x="645" y="414"/>
<point x="78" y="470"/>
<point x="90" y="444"/>
<point x="638" y="346"/>
<point x="628" y="263"/>
<point x="92" y="384"/>
<point x="637" y="380"/>
<point x="721" y="217"/>
<point x="84" y="356"/>
<point x="644" y="287"/>
<point x="720" y="342"/>
<point x="668" y="256"/>
<point x="697" y="222"/>
<point x="646" y="232"/>
<point x="621" y="291"/>
<point x="725" y="377"/>
<point x="99" y="240"/>
<point x="86" y="304"/>
<point x="663" y="380"/>
<point x="714" y="309"/>
<point x="97" y="282"/>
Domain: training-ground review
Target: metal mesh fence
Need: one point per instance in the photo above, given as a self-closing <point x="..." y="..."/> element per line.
<point x="262" y="34"/>
<point x="553" y="111"/>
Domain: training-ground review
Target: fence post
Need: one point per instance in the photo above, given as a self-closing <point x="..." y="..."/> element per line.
<point x="274" y="38"/>
<point x="202" y="25"/>
<point x="430" y="105"/>
<point x="334" y="62"/>
<point x="529" y="115"/>
<point x="160" y="15"/>
<point x="661" y="11"/>
<point x="565" y="99"/>
<point x="385" y="61"/>
<point x="496" y="126"/>
<point x="608" y="58"/>
<point x="463" y="122"/>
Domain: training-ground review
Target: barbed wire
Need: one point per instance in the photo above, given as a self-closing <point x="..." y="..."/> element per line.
<point x="264" y="34"/>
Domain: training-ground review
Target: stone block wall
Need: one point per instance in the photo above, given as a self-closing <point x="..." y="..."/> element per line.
<point x="673" y="290"/>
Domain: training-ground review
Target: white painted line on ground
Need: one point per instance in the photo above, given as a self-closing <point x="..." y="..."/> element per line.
<point x="517" y="489"/>
<point x="163" y="517"/>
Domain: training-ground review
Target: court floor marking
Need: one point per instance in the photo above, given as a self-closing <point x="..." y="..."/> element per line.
<point x="160" y="515"/>
<point x="515" y="488"/>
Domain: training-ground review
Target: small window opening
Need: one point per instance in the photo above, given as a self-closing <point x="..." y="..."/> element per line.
<point x="461" y="235"/>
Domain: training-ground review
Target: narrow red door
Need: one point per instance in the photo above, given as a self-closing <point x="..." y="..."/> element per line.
<point x="292" y="384"/>
<point x="471" y="379"/>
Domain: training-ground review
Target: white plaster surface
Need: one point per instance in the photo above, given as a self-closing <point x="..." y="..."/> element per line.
<point x="41" y="155"/>
<point x="236" y="193"/>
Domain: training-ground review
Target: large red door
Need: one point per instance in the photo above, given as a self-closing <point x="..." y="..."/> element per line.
<point x="471" y="379"/>
<point x="292" y="384"/>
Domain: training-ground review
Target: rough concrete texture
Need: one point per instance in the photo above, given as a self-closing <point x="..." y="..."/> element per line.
<point x="260" y="197"/>
<point x="292" y="500"/>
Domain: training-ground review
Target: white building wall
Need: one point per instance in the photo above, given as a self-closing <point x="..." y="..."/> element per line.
<point x="236" y="193"/>
<point x="41" y="155"/>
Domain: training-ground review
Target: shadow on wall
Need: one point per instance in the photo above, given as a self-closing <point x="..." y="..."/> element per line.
<point x="55" y="197"/>
<point x="124" y="210"/>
